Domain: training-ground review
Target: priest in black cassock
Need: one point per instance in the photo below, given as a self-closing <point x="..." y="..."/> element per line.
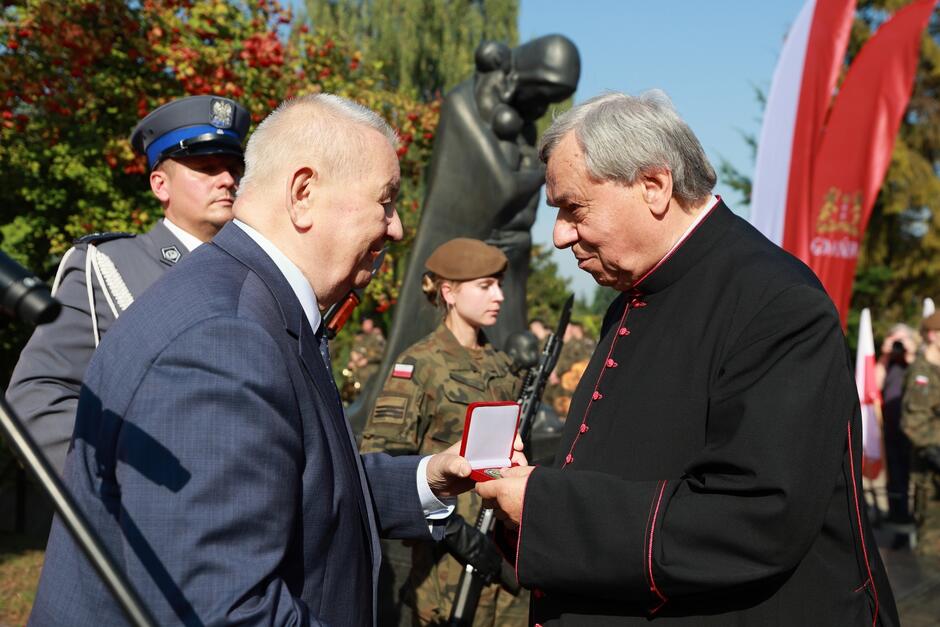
<point x="709" y="473"/>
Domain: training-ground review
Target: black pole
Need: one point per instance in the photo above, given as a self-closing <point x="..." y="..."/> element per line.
<point x="24" y="297"/>
<point x="73" y="518"/>
<point x="19" y="520"/>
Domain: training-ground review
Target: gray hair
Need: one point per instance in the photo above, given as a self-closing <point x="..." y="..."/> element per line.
<point x="322" y="125"/>
<point x="625" y="136"/>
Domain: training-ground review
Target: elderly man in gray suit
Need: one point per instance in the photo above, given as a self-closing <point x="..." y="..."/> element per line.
<point x="211" y="450"/>
<point x="194" y="150"/>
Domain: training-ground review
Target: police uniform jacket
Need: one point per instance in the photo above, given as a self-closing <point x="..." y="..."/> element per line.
<point x="709" y="473"/>
<point x="920" y="417"/>
<point x="422" y="409"/>
<point x="104" y="274"/>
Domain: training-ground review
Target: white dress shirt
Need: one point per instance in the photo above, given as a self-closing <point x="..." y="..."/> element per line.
<point x="190" y="241"/>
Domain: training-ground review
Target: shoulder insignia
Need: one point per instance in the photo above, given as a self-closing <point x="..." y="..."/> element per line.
<point x="170" y="253"/>
<point x="403" y="371"/>
<point x="391" y="409"/>
<point x="97" y="238"/>
<point x="921" y="380"/>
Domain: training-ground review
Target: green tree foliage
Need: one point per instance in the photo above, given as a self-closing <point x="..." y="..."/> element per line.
<point x="425" y="47"/>
<point x="77" y="75"/>
<point x="591" y="313"/>
<point x="547" y="291"/>
<point x="899" y="262"/>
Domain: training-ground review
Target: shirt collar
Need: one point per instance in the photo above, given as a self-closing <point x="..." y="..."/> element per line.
<point x="712" y="203"/>
<point x="187" y="239"/>
<point x="295" y="278"/>
<point x="701" y="216"/>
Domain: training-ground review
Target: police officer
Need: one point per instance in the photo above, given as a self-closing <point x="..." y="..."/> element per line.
<point x="194" y="149"/>
<point x="423" y="405"/>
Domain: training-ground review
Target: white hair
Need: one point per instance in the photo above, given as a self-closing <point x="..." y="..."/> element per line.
<point x="328" y="131"/>
<point x="625" y="136"/>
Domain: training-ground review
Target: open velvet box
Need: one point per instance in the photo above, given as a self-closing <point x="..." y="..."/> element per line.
<point x="488" y="434"/>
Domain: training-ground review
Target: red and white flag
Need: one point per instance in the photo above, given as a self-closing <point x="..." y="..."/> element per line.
<point x="833" y="164"/>
<point x="797" y="102"/>
<point x="403" y="371"/>
<point x="869" y="396"/>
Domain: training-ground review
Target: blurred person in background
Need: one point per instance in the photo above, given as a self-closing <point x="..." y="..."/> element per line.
<point x="920" y="420"/>
<point x="897" y="353"/>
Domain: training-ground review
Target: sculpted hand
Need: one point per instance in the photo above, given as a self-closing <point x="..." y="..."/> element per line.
<point x="449" y="473"/>
<point x="505" y="495"/>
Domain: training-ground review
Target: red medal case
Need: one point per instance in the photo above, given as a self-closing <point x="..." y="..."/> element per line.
<point x="489" y="431"/>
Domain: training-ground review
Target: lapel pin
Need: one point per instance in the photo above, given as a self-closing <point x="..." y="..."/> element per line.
<point x="171" y="254"/>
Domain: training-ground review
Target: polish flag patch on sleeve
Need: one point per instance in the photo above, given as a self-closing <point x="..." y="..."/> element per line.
<point x="921" y="380"/>
<point x="403" y="371"/>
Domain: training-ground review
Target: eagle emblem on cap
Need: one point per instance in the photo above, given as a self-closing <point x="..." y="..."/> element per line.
<point x="222" y="113"/>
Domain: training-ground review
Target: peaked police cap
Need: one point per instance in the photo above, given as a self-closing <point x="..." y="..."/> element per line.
<point x="197" y="125"/>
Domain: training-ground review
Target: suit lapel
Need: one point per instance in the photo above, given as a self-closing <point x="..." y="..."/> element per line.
<point x="237" y="243"/>
<point x="309" y="349"/>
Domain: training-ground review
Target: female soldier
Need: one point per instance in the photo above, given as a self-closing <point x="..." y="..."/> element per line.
<point x="422" y="407"/>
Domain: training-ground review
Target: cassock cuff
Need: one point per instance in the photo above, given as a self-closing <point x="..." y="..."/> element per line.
<point x="585" y="533"/>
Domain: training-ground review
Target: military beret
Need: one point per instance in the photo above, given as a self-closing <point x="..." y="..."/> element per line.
<point x="931" y="322"/>
<point x="464" y="259"/>
<point x="198" y="125"/>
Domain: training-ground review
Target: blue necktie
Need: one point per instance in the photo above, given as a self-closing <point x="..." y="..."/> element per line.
<point x="324" y="345"/>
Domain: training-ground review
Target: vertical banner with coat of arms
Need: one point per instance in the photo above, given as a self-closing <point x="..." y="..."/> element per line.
<point x="850" y="154"/>
<point x="856" y="148"/>
<point x="797" y="103"/>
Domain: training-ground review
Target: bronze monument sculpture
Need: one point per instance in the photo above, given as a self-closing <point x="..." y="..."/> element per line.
<point x="484" y="180"/>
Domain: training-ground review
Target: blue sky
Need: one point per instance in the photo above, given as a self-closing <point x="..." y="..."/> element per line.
<point x="708" y="56"/>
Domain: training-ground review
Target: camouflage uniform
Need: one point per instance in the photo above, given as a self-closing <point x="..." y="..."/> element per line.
<point x="423" y="412"/>
<point x="920" y="420"/>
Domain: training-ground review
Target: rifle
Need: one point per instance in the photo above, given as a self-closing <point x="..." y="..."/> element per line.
<point x="471" y="580"/>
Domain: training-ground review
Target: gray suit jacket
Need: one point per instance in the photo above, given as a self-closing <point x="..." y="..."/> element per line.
<point x="212" y="455"/>
<point x="48" y="376"/>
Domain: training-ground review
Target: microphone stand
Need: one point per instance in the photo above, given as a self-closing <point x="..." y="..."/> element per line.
<point x="74" y="520"/>
<point x="24" y="297"/>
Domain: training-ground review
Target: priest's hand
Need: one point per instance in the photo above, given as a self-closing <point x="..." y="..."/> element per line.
<point x="505" y="495"/>
<point x="449" y="473"/>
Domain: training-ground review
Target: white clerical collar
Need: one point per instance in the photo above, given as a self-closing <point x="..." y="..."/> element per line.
<point x="187" y="239"/>
<point x="701" y="216"/>
<point x="698" y="219"/>
<point x="295" y="278"/>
